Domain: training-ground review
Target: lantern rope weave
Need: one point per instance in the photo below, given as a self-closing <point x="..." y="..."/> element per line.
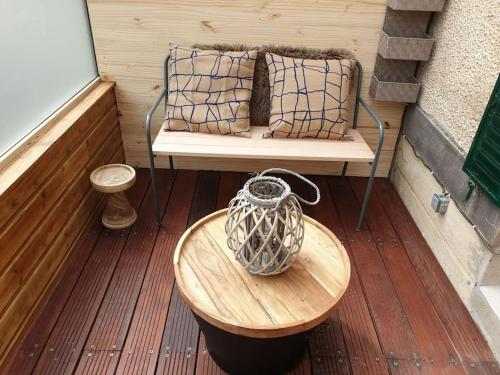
<point x="265" y="224"/>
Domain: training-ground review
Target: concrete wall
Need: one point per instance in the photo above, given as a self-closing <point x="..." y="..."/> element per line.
<point x="458" y="80"/>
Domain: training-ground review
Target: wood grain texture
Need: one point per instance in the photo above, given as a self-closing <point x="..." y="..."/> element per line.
<point x="181" y="333"/>
<point x="33" y="343"/>
<point x="131" y="38"/>
<point x="152" y="305"/>
<point x="394" y="330"/>
<point x="252" y="165"/>
<point x="465" y="335"/>
<point x="359" y="332"/>
<point x="229" y="184"/>
<point x="327" y="347"/>
<point x="27" y="300"/>
<point x="178" y="352"/>
<point x="62" y="350"/>
<point x="21" y="178"/>
<point x="151" y="310"/>
<point x="434" y="343"/>
<point x="102" y="362"/>
<point x="47" y="200"/>
<point x="112" y="323"/>
<point x="257" y="147"/>
<point x="205" y="365"/>
<point x="48" y="230"/>
<point x="222" y="292"/>
<point x="163" y="336"/>
<point x="329" y="343"/>
<point x="18" y="230"/>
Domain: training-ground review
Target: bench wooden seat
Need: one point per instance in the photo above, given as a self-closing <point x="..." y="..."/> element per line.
<point x="169" y="143"/>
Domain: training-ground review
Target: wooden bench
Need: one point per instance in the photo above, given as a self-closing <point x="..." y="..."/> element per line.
<point x="173" y="144"/>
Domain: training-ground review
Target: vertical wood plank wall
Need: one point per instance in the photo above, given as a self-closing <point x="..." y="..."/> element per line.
<point x="131" y="38"/>
<point x="44" y="211"/>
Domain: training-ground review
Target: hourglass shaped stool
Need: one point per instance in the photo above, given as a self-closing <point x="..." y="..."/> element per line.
<point x="114" y="179"/>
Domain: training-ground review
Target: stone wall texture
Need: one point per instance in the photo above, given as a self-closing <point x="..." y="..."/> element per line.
<point x="458" y="80"/>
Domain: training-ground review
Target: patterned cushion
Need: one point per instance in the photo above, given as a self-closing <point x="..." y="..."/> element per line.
<point x="309" y="98"/>
<point x="209" y="91"/>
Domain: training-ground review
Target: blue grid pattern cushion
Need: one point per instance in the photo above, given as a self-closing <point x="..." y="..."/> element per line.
<point x="309" y="98"/>
<point x="209" y="91"/>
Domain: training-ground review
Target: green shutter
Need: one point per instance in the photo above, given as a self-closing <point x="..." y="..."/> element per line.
<point x="483" y="161"/>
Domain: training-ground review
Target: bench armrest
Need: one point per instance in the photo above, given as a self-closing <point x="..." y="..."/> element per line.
<point x="164" y="94"/>
<point x="149" y="116"/>
<point x="379" y="124"/>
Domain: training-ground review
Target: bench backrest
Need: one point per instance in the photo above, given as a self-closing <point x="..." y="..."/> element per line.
<point x="260" y="105"/>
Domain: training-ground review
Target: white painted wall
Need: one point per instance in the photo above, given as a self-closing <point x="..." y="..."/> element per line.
<point x="458" y="80"/>
<point x="465" y="259"/>
<point x="456" y="85"/>
<point x="47" y="56"/>
<point x="456" y="245"/>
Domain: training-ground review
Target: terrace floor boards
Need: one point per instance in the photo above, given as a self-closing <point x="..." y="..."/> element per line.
<point x="116" y="309"/>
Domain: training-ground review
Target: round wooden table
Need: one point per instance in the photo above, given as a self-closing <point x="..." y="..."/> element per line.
<point x="258" y="324"/>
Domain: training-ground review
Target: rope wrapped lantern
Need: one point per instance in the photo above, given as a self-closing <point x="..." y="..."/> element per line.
<point x="265" y="223"/>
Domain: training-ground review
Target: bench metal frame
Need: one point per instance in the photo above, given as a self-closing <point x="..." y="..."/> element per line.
<point x="358" y="101"/>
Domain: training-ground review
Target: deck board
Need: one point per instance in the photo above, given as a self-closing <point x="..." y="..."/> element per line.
<point x="179" y="346"/>
<point x="394" y="330"/>
<point x="327" y="349"/>
<point x="111" y="325"/>
<point x="464" y="334"/>
<point x="432" y="339"/>
<point x="362" y="343"/>
<point x="116" y="308"/>
<point x="33" y="344"/>
<point x="67" y="339"/>
<point x="144" y="338"/>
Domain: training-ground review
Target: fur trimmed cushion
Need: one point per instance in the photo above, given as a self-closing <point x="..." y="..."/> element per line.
<point x="210" y="91"/>
<point x="260" y="104"/>
<point x="309" y="98"/>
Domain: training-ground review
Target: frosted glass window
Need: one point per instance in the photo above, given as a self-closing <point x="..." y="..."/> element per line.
<point x="46" y="57"/>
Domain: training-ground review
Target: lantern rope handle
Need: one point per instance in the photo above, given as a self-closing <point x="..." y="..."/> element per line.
<point x="300" y="177"/>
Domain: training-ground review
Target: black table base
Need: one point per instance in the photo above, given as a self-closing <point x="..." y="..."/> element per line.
<point x="241" y="355"/>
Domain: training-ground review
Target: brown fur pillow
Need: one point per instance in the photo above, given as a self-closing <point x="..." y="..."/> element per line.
<point x="260" y="104"/>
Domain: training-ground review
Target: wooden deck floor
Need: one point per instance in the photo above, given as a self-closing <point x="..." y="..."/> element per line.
<point x="116" y="308"/>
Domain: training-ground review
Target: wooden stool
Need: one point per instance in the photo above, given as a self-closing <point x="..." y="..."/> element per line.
<point x="252" y="324"/>
<point x="114" y="179"/>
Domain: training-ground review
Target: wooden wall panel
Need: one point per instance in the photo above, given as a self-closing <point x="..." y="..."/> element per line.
<point x="42" y="221"/>
<point x="131" y="38"/>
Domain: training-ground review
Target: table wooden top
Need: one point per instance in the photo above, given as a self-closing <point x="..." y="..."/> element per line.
<point x="217" y="288"/>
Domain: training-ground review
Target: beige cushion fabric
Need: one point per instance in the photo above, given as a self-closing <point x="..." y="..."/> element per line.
<point x="309" y="98"/>
<point x="209" y="91"/>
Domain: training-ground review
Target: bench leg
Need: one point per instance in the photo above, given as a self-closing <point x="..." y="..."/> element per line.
<point x="172" y="170"/>
<point x="373" y="169"/>
<point x="367" y="195"/>
<point x="154" y="190"/>
<point x="344" y="169"/>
